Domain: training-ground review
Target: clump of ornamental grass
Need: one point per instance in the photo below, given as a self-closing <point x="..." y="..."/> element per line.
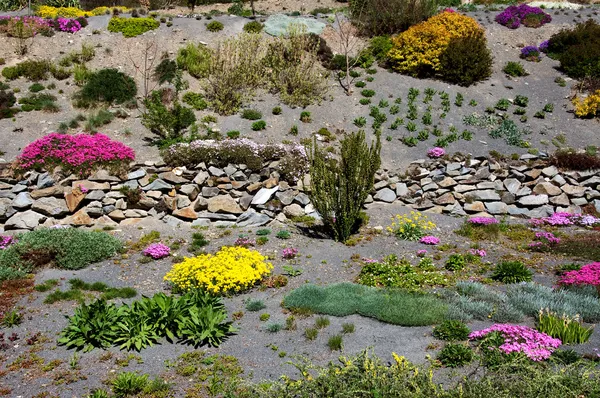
<point x="568" y="329"/>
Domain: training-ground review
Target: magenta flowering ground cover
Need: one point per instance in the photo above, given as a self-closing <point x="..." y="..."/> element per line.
<point x="289" y="253"/>
<point x="483" y="221"/>
<point x="436" y="152"/>
<point x="429" y="240"/>
<point x="535" y="345"/>
<point x="80" y="153"/>
<point x="6" y="241"/>
<point x="589" y="274"/>
<point x="157" y="251"/>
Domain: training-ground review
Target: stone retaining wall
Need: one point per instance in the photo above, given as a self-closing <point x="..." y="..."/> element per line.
<point x="234" y="195"/>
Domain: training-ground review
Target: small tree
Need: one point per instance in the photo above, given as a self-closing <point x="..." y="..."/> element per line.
<point x="340" y="184"/>
<point x="349" y="44"/>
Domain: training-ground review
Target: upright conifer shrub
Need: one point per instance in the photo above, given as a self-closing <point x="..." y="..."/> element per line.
<point x="340" y="183"/>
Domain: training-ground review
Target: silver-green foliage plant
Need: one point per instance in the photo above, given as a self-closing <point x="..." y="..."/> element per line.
<point x="340" y="184"/>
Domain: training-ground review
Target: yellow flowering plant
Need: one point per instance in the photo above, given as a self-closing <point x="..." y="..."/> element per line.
<point x="410" y="227"/>
<point x="417" y="51"/>
<point x="231" y="269"/>
<point x="589" y="107"/>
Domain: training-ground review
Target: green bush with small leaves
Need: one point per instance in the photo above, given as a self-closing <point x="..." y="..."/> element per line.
<point x="106" y="85"/>
<point x="131" y="27"/>
<point x="251" y="114"/>
<point x="253" y="27"/>
<point x="455" y="355"/>
<point x="214" y="26"/>
<point x="514" y="69"/>
<point x="259" y="125"/>
<point x="451" y="330"/>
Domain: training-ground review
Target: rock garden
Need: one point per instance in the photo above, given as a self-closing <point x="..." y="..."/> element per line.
<point x="372" y="198"/>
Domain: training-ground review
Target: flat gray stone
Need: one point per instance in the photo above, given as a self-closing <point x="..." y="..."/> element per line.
<point x="209" y="192"/>
<point x="158" y="185"/>
<point x="286" y="197"/>
<point x="252" y="219"/>
<point x="385" y="195"/>
<point x="533" y="200"/>
<point x="28" y="219"/>
<point x="560" y="200"/>
<point x="201" y="177"/>
<point x="573" y="190"/>
<point x="215" y="171"/>
<point x="190" y="190"/>
<point x="172" y="221"/>
<point x="547" y="188"/>
<point x="485" y="195"/>
<point x="201" y="222"/>
<point x="496" y="207"/>
<point x="51" y="206"/>
<point x="22" y="201"/>
<point x="96" y="195"/>
<point x="550" y="171"/>
<point x="302" y="199"/>
<point x="45" y="180"/>
<point x="134" y="175"/>
<point x="401" y="189"/>
<point x="18" y="188"/>
<point x="293" y="210"/>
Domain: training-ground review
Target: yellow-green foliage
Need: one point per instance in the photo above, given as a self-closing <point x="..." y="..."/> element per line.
<point x="74" y="12"/>
<point x="231" y="269"/>
<point x="417" y="51"/>
<point x="131" y="27"/>
<point x="589" y="107"/>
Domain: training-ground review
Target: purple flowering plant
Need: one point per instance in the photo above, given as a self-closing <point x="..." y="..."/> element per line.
<point x="157" y="251"/>
<point x="514" y="16"/>
<point x="289" y="253"/>
<point x="6" y="241"/>
<point x="243" y="241"/>
<point x="483" y="221"/>
<point x="531" y="53"/>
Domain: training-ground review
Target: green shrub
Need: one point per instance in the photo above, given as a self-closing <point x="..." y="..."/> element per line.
<point x="347" y="328"/>
<point x="521" y="100"/>
<point x="131" y="27"/>
<point x="466" y="60"/>
<point x="214" y="26"/>
<point x="387" y="17"/>
<point x="451" y="330"/>
<point x="341" y="186"/>
<point x="194" y="318"/>
<point x="395" y="306"/>
<point x="251" y="114"/>
<point x="106" y="85"/>
<point x="31" y="70"/>
<point x="379" y="46"/>
<point x="98" y="119"/>
<point x="277" y="110"/>
<point x="66" y="248"/>
<point x="569" y="330"/>
<point x="195" y="100"/>
<point x="195" y="59"/>
<point x="233" y="134"/>
<point x="167" y="122"/>
<point x="455" y="355"/>
<point x="577" y="49"/>
<point x="39" y="102"/>
<point x="322" y="322"/>
<point x="255" y="305"/>
<point x="335" y="343"/>
<point x="367" y="93"/>
<point x="36" y="87"/>
<point x="514" y="69"/>
<point x="253" y="27"/>
<point x="259" y="125"/>
<point x="511" y="272"/>
<point x="311" y="333"/>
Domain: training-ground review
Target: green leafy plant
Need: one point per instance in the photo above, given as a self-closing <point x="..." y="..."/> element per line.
<point x="348" y="328"/>
<point x="128" y="384"/>
<point x="277" y="110"/>
<point x="283" y="234"/>
<point x="455" y="262"/>
<point x="253" y="27"/>
<point x="131" y="27"/>
<point x="455" y="355"/>
<point x="106" y="85"/>
<point x="514" y="69"/>
<point x="12" y="318"/>
<point x="502" y="104"/>
<point x="451" y="330"/>
<point x="311" y="333"/>
<point x="255" y="305"/>
<point x="336" y="342"/>
<point x="568" y="329"/>
<point x="340" y="186"/>
<point x="195" y="100"/>
<point x="251" y="114"/>
<point x="305" y="117"/>
<point x="511" y="272"/>
<point x="521" y="100"/>
<point x="322" y="322"/>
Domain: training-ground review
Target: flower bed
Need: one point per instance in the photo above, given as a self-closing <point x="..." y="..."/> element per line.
<point x="565" y="219"/>
<point x="80" y="154"/>
<point x="523" y="14"/>
<point x="293" y="162"/>
<point x="589" y="274"/>
<point x="31" y="26"/>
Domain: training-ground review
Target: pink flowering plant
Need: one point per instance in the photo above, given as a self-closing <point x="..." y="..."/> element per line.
<point x="429" y="240"/>
<point x="566" y="219"/>
<point x="244" y="241"/>
<point x="544" y="240"/>
<point x="79" y="154"/>
<point x="157" y="251"/>
<point x="436" y="152"/>
<point x="483" y="221"/>
<point x="514" y="340"/>
<point x="589" y="274"/>
<point x="421" y="253"/>
<point x="289" y="253"/>
<point x="6" y="241"/>
<point x="67" y="25"/>
<point x="478" y="252"/>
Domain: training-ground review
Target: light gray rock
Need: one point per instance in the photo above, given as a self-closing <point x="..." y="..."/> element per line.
<point x="286" y="197"/>
<point x="96" y="195"/>
<point x="22" y="201"/>
<point x="172" y="178"/>
<point x="209" y="192"/>
<point x="18" y="188"/>
<point x="134" y="175"/>
<point x="51" y="207"/>
<point x="447" y="182"/>
<point x="201" y="222"/>
<point x="550" y="171"/>
<point x="302" y="199"/>
<point x="496" y="207"/>
<point x="264" y="195"/>
<point x="135" y="213"/>
<point x="45" y="180"/>
<point x="474" y="207"/>
<point x="183" y="201"/>
<point x="546" y="188"/>
<point x="385" y="195"/>
<point x="461" y="188"/>
<point x="573" y="190"/>
<point x="158" y="185"/>
<point x="514" y="210"/>
<point x="533" y="200"/>
<point x="190" y="190"/>
<point x="28" y="219"/>
<point x="523" y="191"/>
<point x="223" y="204"/>
<point x="560" y="200"/>
<point x="401" y="189"/>
<point x="172" y="221"/>
<point x="559" y="180"/>
<point x="216" y="216"/>
<point x="579" y="201"/>
<point x="201" y="177"/>
<point x="7" y="195"/>
<point x="252" y="219"/>
<point x="215" y="171"/>
<point x="485" y="195"/>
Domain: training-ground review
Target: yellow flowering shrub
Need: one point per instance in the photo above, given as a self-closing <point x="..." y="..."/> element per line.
<point x="67" y="12"/>
<point x="107" y="10"/>
<point x="231" y="269"/>
<point x="589" y="107"/>
<point x="410" y="227"/>
<point x="417" y="51"/>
